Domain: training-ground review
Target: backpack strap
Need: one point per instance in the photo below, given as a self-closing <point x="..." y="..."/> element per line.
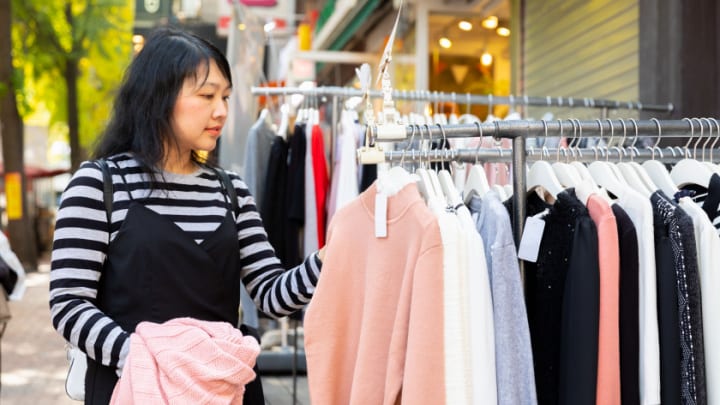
<point x="229" y="189"/>
<point x="107" y="188"/>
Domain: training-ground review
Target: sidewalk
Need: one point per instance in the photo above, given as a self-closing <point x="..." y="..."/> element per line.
<point x="34" y="363"/>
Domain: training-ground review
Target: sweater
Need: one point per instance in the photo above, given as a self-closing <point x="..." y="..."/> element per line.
<point x="374" y="330"/>
<point x="187" y="361"/>
<point x="608" y="377"/>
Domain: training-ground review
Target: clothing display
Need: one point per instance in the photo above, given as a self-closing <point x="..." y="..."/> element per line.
<point x="608" y="306"/>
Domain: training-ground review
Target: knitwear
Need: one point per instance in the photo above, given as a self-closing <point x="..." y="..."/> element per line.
<point x="374" y="329"/>
<point x="187" y="361"/>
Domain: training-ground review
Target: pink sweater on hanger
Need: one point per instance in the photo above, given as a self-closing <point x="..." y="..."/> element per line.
<point x="186" y="361"/>
<point x="374" y="328"/>
<point x="608" y="377"/>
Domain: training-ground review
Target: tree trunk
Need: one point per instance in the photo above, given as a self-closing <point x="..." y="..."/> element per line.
<point x="77" y="155"/>
<point x="21" y="233"/>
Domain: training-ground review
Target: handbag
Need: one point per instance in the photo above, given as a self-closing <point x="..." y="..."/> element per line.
<point x="75" y="380"/>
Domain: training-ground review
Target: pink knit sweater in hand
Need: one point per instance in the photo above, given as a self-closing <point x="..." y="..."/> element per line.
<point x="186" y="361"/>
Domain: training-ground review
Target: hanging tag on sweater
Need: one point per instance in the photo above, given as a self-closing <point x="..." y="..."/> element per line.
<point x="531" y="238"/>
<point x="380" y="215"/>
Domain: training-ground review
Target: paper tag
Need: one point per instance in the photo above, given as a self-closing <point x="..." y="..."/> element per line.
<point x="531" y="238"/>
<point x="380" y="215"/>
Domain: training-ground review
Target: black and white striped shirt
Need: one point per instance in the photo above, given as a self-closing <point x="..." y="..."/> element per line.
<point x="196" y="203"/>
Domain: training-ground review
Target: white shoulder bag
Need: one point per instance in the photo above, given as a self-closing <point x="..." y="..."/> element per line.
<point x="75" y="381"/>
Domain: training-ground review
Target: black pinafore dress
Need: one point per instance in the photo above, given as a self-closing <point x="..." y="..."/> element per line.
<point x="155" y="272"/>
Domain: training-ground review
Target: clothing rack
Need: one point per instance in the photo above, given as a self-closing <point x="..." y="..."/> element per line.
<point x="468" y="98"/>
<point x="519" y="130"/>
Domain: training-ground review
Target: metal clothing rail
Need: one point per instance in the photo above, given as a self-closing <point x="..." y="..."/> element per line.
<point x="519" y="130"/>
<point x="468" y="98"/>
<point x="504" y="155"/>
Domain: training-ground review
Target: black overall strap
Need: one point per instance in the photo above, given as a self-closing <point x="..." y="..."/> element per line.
<point x="229" y="188"/>
<point x="107" y="188"/>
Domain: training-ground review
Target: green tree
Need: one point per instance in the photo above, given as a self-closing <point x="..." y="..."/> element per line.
<point x="74" y="53"/>
<point x="65" y="57"/>
<point x="11" y="129"/>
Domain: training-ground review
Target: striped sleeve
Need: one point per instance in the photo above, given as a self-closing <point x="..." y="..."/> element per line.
<point x="79" y="249"/>
<point x="276" y="292"/>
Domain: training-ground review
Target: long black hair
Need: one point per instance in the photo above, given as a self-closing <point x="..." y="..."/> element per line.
<point x="141" y="118"/>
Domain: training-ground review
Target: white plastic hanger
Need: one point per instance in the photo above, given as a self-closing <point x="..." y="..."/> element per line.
<point x="541" y="174"/>
<point x="690" y="170"/>
<point x="628" y="173"/>
<point x="656" y="170"/>
<point x="603" y="173"/>
<point x="477" y="180"/>
<point x="566" y="174"/>
<point x="639" y="170"/>
<point x="581" y="169"/>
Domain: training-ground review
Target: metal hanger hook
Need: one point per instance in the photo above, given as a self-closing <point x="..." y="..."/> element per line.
<point x="710" y="133"/>
<point x="480" y="132"/>
<point x="659" y="128"/>
<point x="686" y="149"/>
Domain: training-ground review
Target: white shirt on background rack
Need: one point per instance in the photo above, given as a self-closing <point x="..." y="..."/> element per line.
<point x="640" y="211"/>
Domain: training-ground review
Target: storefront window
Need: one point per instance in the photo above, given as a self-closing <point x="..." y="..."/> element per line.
<point x="470" y="53"/>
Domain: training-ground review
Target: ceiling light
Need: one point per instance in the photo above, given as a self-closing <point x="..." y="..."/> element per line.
<point x="241" y="26"/>
<point x="490" y="22"/>
<point x="486" y="59"/>
<point x="269" y="26"/>
<point x="503" y="31"/>
<point x="465" y="25"/>
<point x="445" y="42"/>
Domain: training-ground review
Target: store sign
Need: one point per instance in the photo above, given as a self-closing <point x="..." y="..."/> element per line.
<point x="259" y="3"/>
<point x="152" y="12"/>
<point x="13" y="195"/>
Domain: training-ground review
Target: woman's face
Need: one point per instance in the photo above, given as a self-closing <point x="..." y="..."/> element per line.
<point x="200" y="111"/>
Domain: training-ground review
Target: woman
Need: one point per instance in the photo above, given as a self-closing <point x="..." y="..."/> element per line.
<point x="174" y="247"/>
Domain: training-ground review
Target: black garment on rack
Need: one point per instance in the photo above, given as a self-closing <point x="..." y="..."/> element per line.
<point x="274" y="211"/>
<point x="680" y="231"/>
<point x="439" y="145"/>
<point x="668" y="322"/>
<point x="369" y="175"/>
<point x="629" y="308"/>
<point x="580" y="315"/>
<point x="545" y="286"/>
<point x="708" y="198"/>
<point x="295" y="196"/>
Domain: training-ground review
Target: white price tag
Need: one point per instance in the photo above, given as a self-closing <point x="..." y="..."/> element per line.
<point x="531" y="238"/>
<point x="380" y="215"/>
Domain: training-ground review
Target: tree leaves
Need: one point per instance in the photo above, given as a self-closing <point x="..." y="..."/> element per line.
<point x="95" y="35"/>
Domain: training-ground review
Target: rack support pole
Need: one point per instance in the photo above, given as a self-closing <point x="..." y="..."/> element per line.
<point x="519" y="186"/>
